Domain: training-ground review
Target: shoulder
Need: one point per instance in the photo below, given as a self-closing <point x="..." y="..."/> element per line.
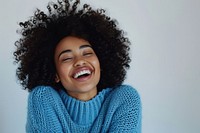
<point x="125" y="95"/>
<point x="42" y="94"/>
<point x="125" y="88"/>
<point x="127" y="111"/>
<point x="126" y="91"/>
<point x="44" y="108"/>
<point x="42" y="90"/>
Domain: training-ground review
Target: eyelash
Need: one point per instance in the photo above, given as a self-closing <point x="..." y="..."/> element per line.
<point x="67" y="59"/>
<point x="87" y="54"/>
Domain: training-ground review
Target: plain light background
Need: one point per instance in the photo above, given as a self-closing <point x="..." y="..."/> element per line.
<point x="165" y="67"/>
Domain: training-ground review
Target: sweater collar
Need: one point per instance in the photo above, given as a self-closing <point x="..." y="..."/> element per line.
<point x="84" y="112"/>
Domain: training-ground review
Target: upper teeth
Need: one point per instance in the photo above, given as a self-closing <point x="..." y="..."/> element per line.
<point x="82" y="73"/>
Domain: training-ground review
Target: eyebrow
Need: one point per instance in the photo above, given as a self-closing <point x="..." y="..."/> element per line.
<point x="68" y="50"/>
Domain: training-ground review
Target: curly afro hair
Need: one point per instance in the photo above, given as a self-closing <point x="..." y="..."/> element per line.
<point x="41" y="33"/>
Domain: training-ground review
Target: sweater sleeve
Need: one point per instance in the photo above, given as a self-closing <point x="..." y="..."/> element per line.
<point x="127" y="117"/>
<point x="42" y="114"/>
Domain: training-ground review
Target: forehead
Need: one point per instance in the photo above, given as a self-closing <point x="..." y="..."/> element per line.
<point x="71" y="42"/>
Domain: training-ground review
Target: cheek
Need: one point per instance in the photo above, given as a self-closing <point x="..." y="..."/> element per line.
<point x="96" y="64"/>
<point x="63" y="70"/>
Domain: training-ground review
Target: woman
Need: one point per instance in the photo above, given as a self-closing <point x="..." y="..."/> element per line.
<point x="73" y="61"/>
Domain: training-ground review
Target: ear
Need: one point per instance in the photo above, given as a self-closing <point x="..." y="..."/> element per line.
<point x="57" y="79"/>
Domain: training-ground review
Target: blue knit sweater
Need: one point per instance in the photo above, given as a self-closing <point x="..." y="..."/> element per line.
<point x="111" y="110"/>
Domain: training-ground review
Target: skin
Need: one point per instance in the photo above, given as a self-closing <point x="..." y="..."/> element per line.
<point x="73" y="55"/>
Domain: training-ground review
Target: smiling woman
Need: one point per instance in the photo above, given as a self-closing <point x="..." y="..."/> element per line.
<point x="77" y="67"/>
<point x="73" y="61"/>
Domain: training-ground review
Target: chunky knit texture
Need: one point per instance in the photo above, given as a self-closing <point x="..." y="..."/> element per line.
<point x="112" y="110"/>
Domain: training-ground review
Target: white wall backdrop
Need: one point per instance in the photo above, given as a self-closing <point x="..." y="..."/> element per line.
<point x="165" y="65"/>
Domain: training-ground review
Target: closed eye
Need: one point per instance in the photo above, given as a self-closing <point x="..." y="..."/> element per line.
<point x="67" y="59"/>
<point x="87" y="54"/>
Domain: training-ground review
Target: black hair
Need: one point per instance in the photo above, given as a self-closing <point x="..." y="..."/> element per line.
<point x="41" y="33"/>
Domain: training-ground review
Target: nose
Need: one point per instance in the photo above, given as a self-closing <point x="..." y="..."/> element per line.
<point x="79" y="62"/>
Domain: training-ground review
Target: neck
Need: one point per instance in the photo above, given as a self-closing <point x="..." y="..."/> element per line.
<point x="83" y="96"/>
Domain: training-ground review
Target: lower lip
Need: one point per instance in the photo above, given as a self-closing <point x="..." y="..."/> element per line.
<point x="83" y="79"/>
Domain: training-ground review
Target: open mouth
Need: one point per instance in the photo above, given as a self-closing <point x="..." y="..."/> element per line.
<point x="82" y="74"/>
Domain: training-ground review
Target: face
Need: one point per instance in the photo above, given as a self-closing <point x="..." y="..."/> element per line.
<point x="77" y="65"/>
